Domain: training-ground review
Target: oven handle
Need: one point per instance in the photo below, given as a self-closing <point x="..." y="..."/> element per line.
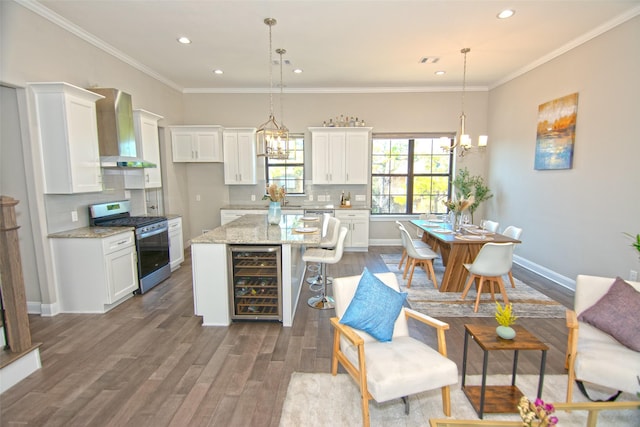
<point x="153" y="232"/>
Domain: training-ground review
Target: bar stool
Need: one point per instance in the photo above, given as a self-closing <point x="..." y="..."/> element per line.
<point x="330" y="233"/>
<point x="325" y="256"/>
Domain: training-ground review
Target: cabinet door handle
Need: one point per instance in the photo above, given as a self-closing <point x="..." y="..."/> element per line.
<point x="122" y="242"/>
<point x="147" y="177"/>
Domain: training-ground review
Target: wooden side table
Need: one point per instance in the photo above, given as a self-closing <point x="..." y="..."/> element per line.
<point x="499" y="398"/>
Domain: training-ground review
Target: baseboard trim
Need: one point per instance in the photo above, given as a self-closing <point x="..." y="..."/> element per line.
<point x="19" y="369"/>
<point x="44" y="310"/>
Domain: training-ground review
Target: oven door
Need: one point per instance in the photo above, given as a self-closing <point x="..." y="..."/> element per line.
<point x="153" y="251"/>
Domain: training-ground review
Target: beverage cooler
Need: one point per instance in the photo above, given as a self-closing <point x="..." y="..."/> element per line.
<point x="255" y="282"/>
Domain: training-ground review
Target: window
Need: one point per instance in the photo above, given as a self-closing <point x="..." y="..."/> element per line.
<point x="288" y="173"/>
<point x="410" y="174"/>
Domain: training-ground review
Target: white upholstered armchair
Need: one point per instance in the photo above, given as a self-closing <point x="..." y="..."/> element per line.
<point x="593" y="355"/>
<point x="395" y="369"/>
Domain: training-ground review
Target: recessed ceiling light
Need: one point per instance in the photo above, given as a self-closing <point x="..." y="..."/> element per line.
<point x="507" y="13"/>
<point x="218" y="71"/>
<point x="184" y="40"/>
<point x="297" y="70"/>
<point x="440" y="73"/>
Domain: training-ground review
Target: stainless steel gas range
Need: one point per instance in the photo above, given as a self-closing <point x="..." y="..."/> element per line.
<point x="152" y="239"/>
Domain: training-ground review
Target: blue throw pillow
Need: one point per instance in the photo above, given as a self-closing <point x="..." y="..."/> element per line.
<point x="374" y="307"/>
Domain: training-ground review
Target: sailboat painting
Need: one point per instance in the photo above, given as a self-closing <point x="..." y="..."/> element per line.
<point x="556" y="133"/>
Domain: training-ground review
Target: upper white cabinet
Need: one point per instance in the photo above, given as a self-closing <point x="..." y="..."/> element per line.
<point x="340" y="155"/>
<point x="239" y="146"/>
<point x="196" y="143"/>
<point x="145" y="125"/>
<point x="68" y="138"/>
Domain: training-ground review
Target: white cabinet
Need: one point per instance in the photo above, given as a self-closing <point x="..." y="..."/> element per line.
<point x="145" y="125"/>
<point x="196" y="143"/>
<point x="239" y="147"/>
<point x="340" y="155"/>
<point x="68" y="138"/>
<point x="228" y="215"/>
<point x="357" y="221"/>
<point x="93" y="275"/>
<point x="176" y="243"/>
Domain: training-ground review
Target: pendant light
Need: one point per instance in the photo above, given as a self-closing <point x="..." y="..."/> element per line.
<point x="463" y="142"/>
<point x="271" y="135"/>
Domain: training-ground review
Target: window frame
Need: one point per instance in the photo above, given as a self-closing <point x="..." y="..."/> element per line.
<point x="288" y="163"/>
<point x="410" y="175"/>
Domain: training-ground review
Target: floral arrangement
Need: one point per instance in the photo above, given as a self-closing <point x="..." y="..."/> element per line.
<point x="504" y="315"/>
<point x="459" y="205"/>
<point x="275" y="193"/>
<point x="537" y="413"/>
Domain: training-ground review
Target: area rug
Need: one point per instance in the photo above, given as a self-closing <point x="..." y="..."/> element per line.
<point x="423" y="297"/>
<point x="324" y="400"/>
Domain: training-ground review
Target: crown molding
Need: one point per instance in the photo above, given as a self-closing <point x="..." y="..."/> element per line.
<point x="341" y="90"/>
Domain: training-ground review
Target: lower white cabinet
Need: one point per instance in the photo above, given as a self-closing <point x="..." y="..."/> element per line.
<point x="93" y="275"/>
<point x="357" y="221"/>
<point x="176" y="244"/>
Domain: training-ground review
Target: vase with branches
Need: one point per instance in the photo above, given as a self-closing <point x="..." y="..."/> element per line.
<point x="467" y="185"/>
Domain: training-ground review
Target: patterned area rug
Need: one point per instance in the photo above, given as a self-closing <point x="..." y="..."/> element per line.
<point x="319" y="400"/>
<point x="423" y="297"/>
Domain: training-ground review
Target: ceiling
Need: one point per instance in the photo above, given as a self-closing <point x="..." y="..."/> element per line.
<point x="346" y="45"/>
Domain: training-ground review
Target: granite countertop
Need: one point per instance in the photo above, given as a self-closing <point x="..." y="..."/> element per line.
<point x="254" y="229"/>
<point x="296" y="207"/>
<point x="90" y="232"/>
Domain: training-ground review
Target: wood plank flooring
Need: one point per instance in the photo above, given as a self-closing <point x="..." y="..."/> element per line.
<point x="149" y="362"/>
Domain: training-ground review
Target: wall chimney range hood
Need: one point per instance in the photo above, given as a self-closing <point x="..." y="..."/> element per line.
<point x="116" y="135"/>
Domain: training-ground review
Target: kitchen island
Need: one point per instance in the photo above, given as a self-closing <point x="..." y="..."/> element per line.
<point x="212" y="282"/>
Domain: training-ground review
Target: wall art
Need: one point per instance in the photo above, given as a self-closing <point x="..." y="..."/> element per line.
<point x="556" y="133"/>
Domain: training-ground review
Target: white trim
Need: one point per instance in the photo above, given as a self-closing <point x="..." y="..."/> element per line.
<point x="19" y="369"/>
<point x="50" y="310"/>
<point x="561" y="280"/>
<point x="63" y="23"/>
<point x="414" y="89"/>
<point x="632" y="13"/>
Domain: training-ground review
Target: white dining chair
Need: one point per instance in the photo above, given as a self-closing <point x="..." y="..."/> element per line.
<point x="415" y="256"/>
<point x="514" y="233"/>
<point x="418" y="243"/>
<point x="492" y="262"/>
<point x="491" y="226"/>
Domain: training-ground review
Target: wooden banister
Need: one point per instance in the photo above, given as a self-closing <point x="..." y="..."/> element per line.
<point x="12" y="280"/>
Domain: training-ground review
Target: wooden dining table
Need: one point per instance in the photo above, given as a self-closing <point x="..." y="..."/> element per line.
<point x="456" y="248"/>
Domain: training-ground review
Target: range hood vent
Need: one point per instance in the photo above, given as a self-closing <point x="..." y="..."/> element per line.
<point x="116" y="135"/>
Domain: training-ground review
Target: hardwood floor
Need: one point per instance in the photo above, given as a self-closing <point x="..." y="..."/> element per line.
<point x="149" y="362"/>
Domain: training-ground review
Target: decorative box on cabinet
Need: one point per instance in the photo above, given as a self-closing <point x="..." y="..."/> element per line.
<point x="145" y="125"/>
<point x="239" y="148"/>
<point x="196" y="143"/>
<point x="176" y="244"/>
<point x="357" y="221"/>
<point x="68" y="138"/>
<point x="106" y="276"/>
<point x="340" y="155"/>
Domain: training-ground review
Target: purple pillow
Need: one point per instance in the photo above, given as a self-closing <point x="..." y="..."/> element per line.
<point x="617" y="313"/>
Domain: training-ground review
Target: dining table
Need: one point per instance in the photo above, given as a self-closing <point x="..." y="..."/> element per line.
<point x="456" y="247"/>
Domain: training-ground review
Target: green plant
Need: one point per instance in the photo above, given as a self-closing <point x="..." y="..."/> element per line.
<point x="636" y="243"/>
<point x="504" y="315"/>
<point x="468" y="185"/>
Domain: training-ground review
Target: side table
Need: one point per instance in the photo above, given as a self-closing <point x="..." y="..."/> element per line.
<point x="499" y="398"/>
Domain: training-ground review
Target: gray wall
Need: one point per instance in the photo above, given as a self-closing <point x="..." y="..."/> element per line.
<point x="573" y="219"/>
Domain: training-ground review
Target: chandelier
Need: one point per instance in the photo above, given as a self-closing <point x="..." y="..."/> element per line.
<point x="463" y="142"/>
<point x="273" y="138"/>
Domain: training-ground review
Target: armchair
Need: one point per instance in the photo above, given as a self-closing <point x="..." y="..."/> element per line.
<point x="393" y="369"/>
<point x="593" y="355"/>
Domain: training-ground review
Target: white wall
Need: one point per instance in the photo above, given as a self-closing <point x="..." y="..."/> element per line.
<point x="573" y="219"/>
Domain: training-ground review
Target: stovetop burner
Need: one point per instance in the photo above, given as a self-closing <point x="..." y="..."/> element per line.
<point x="117" y="214"/>
<point x="131" y="221"/>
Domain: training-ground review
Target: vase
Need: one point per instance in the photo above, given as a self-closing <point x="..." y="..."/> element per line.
<point x="506" y="332"/>
<point x="275" y="213"/>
